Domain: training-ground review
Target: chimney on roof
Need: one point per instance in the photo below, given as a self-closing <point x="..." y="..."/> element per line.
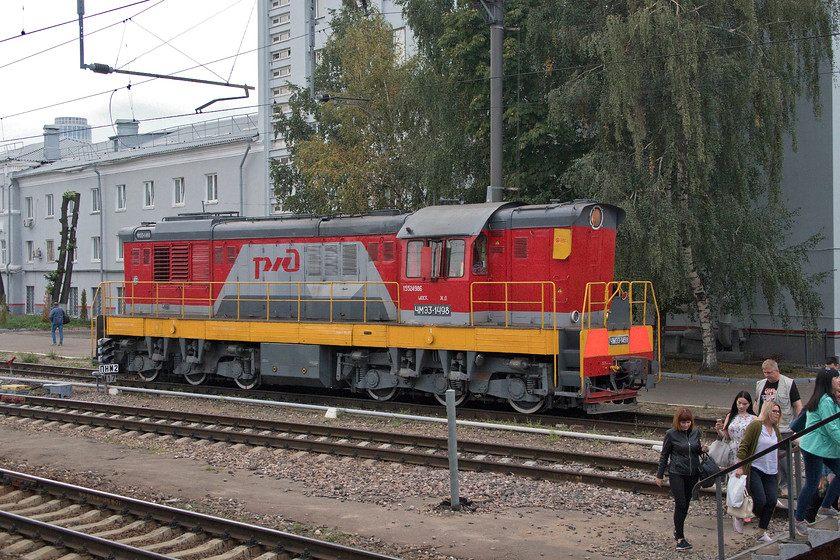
<point x="52" y="151"/>
<point x="126" y="137"/>
<point x="126" y="127"/>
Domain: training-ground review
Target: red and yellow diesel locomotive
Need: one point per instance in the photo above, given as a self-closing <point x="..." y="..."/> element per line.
<point x="499" y="300"/>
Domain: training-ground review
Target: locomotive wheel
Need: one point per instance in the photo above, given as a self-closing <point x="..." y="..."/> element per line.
<point x="248" y="382"/>
<point x="527" y="407"/>
<point x="196" y="378"/>
<point x="148" y="375"/>
<point x="460" y="397"/>
<point x="384" y="394"/>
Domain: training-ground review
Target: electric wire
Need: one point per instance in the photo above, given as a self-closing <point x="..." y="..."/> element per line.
<point x="28" y="33"/>
<point x="448" y="82"/>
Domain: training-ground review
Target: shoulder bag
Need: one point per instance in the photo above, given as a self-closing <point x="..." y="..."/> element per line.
<point x="720" y="451"/>
<point x="707" y="468"/>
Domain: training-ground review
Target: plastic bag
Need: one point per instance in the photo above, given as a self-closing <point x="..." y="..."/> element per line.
<point x="736" y="489"/>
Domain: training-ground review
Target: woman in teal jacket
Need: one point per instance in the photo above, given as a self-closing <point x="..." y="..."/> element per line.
<point x="820" y="447"/>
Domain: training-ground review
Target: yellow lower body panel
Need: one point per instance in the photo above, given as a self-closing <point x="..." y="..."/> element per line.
<point x="479" y="339"/>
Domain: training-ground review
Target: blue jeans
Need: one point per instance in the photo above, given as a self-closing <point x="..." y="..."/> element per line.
<point x="813" y="474"/>
<point x="60" y="328"/>
<point x="764" y="495"/>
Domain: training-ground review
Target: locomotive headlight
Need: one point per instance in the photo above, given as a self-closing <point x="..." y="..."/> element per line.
<point x="596" y="217"/>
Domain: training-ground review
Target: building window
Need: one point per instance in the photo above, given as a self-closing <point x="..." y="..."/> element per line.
<point x="50" y="250"/>
<point x="29" y="207"/>
<point x="281" y="37"/>
<point x="399" y="44"/>
<point x="212" y="188"/>
<point x="283" y="54"/>
<point x="148" y="194"/>
<point x="120" y="198"/>
<point x="320" y="8"/>
<point x="120" y="250"/>
<point x="284" y="71"/>
<point x="95" y="202"/>
<point x="2" y="199"/>
<point x="30" y="251"/>
<point x="284" y="3"/>
<point x="284" y="18"/>
<point x="3" y="255"/>
<point x="50" y="206"/>
<point x="96" y="249"/>
<point x="178" y="191"/>
<point x="284" y="108"/>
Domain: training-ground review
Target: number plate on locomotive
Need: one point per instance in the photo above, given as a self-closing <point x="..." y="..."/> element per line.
<point x="109" y="368"/>
<point x="620" y="340"/>
<point x="433" y="310"/>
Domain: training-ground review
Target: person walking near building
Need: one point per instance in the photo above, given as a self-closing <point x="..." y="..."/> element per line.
<point x="820" y="447"/>
<point x="57" y="322"/>
<point x="782" y="390"/>
<point x="762" y="434"/>
<point x="681" y="451"/>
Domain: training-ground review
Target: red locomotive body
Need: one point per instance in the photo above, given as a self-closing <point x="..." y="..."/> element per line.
<point x="498" y="299"/>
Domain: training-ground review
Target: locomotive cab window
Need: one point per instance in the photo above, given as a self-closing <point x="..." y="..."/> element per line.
<point x="440" y="258"/>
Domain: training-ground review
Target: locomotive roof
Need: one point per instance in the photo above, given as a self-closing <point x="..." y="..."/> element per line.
<point x="433" y="221"/>
<point x="205" y="227"/>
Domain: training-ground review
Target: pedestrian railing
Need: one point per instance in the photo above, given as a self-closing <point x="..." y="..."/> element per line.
<point x="786" y="444"/>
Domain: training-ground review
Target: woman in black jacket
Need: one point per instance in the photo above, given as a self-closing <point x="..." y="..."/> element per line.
<point x="682" y="449"/>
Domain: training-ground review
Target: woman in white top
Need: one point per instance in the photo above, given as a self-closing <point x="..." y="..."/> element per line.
<point x="762" y="434"/>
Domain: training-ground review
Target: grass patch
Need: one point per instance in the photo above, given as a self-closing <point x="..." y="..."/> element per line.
<point x="34" y="323"/>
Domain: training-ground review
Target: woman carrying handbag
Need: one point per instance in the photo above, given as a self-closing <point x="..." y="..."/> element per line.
<point x="681" y="452"/>
<point x="762" y="434"/>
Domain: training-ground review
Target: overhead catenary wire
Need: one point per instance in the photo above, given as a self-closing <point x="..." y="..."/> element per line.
<point x="437" y="84"/>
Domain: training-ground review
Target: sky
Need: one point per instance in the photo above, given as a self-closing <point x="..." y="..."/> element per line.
<point x="41" y="76"/>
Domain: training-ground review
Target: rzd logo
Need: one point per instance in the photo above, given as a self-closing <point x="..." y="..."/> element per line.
<point x="290" y="263"/>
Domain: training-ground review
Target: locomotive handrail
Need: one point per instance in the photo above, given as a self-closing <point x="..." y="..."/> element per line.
<point x="156" y="300"/>
<point x="623" y="289"/>
<point x="507" y="301"/>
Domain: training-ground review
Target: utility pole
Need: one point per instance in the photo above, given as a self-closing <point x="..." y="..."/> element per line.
<point x="493" y="12"/>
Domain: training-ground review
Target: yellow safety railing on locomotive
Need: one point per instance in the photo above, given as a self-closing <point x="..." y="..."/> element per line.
<point x="643" y="331"/>
<point x="127" y="303"/>
<point x="508" y="302"/>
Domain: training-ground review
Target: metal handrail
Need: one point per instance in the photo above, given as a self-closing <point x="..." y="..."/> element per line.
<point x="155" y="299"/>
<point x="788" y="444"/>
<point x="508" y="302"/>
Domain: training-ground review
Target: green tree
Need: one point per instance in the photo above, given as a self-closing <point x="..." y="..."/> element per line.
<point x="351" y="154"/>
<point x="453" y="90"/>
<point x="686" y="106"/>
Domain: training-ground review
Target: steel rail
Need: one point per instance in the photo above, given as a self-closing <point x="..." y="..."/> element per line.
<point x="271" y="539"/>
<point x="433" y="456"/>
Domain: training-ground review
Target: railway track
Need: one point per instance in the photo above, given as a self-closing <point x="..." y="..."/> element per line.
<point x="622" y="423"/>
<point x="429" y="451"/>
<point x="43" y="518"/>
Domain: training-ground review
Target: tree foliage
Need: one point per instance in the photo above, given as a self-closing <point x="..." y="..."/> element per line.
<point x="676" y="110"/>
<point x="355" y="153"/>
<point x="688" y="105"/>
